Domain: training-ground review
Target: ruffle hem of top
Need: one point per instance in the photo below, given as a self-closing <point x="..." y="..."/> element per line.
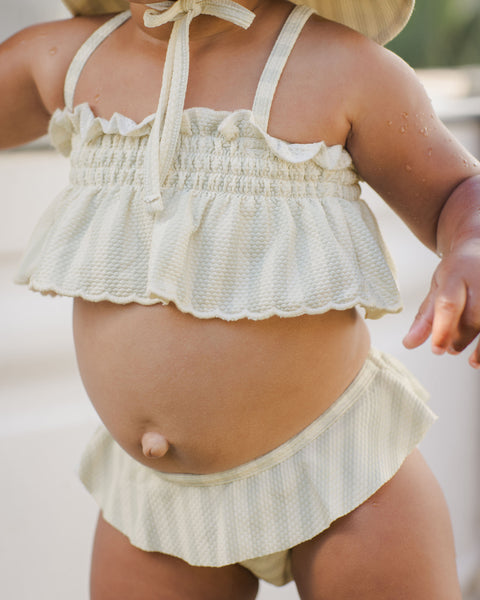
<point x="285" y="233"/>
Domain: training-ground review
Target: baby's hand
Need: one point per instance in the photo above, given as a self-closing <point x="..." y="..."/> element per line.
<point x="451" y="310"/>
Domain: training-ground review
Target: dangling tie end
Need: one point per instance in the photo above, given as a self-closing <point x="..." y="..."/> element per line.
<point x="154" y="203"/>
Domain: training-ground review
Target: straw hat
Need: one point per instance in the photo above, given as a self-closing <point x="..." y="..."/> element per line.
<point x="380" y="20"/>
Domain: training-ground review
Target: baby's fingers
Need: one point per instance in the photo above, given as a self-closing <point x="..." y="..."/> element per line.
<point x="475" y="358"/>
<point x="422" y="325"/>
<point x="443" y="314"/>
<point x="470" y="328"/>
<point x="450" y="304"/>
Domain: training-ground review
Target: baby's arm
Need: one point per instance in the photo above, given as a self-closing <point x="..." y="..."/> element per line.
<point x="407" y="155"/>
<point x="33" y="65"/>
<point x="23" y="115"/>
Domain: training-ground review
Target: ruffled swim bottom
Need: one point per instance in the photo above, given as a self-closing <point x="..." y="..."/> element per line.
<point x="281" y="499"/>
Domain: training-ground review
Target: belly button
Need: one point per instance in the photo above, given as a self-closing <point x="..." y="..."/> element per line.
<point x="154" y="445"/>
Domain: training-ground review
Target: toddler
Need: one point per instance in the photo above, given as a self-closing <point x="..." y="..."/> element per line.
<point x="221" y="262"/>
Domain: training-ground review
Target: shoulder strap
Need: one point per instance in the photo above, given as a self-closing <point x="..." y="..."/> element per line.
<point x="85" y="51"/>
<point x="276" y="63"/>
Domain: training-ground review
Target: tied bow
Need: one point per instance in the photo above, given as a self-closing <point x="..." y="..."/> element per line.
<point x="166" y="126"/>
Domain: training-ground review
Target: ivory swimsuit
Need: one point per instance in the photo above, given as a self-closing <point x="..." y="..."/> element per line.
<point x="205" y="209"/>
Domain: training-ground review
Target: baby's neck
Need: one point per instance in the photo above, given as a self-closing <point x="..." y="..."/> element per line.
<point x="202" y="27"/>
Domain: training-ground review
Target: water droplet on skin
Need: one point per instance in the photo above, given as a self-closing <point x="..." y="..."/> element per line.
<point x="465" y="163"/>
<point x="424" y="131"/>
<point x="405" y="115"/>
<point x="53" y="50"/>
<point x="408" y="168"/>
<point x="403" y="130"/>
<point x="429" y="152"/>
<point x="389" y="123"/>
<point x="97" y="98"/>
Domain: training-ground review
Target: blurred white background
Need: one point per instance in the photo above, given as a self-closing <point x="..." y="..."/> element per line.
<point x="46" y="518"/>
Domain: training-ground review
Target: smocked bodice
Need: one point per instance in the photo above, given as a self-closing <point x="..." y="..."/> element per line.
<point x="218" y="152"/>
<point x="243" y="224"/>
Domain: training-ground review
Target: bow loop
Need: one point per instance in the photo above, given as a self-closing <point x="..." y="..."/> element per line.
<point x="165" y="12"/>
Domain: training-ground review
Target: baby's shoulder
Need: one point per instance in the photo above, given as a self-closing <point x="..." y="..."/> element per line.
<point x="331" y="47"/>
<point x="56" y="38"/>
<point x="47" y="49"/>
<point x="349" y="67"/>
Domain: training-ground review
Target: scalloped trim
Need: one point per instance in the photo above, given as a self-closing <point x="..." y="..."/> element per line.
<point x="372" y="312"/>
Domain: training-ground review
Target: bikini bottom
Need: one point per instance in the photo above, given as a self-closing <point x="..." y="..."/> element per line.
<point x="255" y="513"/>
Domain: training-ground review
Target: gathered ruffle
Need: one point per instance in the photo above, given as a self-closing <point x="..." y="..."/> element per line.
<point x="250" y="226"/>
<point x="278" y="500"/>
<point x="213" y="257"/>
<point x="82" y="122"/>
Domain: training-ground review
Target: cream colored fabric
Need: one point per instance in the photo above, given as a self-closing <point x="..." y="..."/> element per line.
<point x="275" y="568"/>
<point x="381" y="20"/>
<point x="249" y="225"/>
<point x="278" y="500"/>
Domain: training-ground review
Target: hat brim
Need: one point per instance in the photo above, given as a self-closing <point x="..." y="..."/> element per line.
<point x="380" y="20"/>
<point x="95" y="7"/>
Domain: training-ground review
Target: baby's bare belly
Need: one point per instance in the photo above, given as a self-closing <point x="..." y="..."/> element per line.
<point x="221" y="393"/>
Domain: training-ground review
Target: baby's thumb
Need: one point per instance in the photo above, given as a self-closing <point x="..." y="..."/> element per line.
<point x="422" y="325"/>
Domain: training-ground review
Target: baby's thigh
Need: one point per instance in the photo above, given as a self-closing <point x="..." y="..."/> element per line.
<point x="122" y="572"/>
<point x="397" y="545"/>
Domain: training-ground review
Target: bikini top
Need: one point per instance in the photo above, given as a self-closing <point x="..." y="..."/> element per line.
<point x="202" y="207"/>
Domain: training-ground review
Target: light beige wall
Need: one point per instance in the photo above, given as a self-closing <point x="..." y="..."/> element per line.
<point x="17" y="14"/>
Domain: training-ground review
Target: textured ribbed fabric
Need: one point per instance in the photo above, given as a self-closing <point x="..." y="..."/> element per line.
<point x="250" y="225"/>
<point x="278" y="500"/>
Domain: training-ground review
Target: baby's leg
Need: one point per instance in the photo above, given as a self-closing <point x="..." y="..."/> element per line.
<point x="122" y="572"/>
<point x="396" y="546"/>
